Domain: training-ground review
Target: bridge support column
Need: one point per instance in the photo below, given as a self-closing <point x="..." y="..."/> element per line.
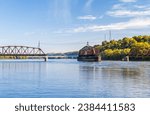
<point x="46" y="58"/>
<point x="126" y="58"/>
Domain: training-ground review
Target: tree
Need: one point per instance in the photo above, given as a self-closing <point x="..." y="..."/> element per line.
<point x="136" y="46"/>
<point x="140" y="49"/>
<point x="128" y="42"/>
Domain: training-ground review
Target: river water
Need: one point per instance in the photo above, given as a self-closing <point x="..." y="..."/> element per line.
<point x="61" y="78"/>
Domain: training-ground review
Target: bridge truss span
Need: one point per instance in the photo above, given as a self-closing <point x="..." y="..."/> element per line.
<point x="21" y="51"/>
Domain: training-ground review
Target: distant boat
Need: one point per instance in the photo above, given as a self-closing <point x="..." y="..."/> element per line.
<point x="89" y="54"/>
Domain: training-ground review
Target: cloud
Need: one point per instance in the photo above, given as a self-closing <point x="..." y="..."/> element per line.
<point x="29" y="33"/>
<point x="62" y="9"/>
<point x="118" y="6"/>
<point x="123" y="10"/>
<point x="129" y="13"/>
<point x="88" y="3"/>
<point x="127" y="0"/>
<point x="87" y="17"/>
<point x="137" y="23"/>
<point x="140" y="6"/>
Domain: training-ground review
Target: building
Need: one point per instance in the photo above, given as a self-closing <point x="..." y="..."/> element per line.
<point x="89" y="53"/>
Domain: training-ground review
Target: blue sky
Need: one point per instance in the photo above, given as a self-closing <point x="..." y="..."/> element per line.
<point x="66" y="25"/>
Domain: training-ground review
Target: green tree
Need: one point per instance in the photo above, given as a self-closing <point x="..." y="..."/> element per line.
<point x="140" y="49"/>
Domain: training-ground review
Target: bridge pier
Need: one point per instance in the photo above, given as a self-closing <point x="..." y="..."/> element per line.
<point x="46" y="58"/>
<point x="126" y="58"/>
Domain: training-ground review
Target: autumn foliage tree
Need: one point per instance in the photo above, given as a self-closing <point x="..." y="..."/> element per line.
<point x="137" y="46"/>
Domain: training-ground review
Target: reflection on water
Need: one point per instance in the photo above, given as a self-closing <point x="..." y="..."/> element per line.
<point x="117" y="79"/>
<point x="29" y="69"/>
<point x="69" y="78"/>
<point x="124" y="72"/>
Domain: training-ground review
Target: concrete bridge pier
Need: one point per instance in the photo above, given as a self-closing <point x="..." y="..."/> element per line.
<point x="46" y="58"/>
<point x="126" y="58"/>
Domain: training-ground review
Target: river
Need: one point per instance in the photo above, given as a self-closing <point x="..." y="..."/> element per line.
<point x="68" y="78"/>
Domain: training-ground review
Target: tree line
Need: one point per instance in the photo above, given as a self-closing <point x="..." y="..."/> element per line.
<point x="136" y="47"/>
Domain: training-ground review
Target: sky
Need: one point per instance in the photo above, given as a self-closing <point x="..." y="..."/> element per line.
<point x="67" y="25"/>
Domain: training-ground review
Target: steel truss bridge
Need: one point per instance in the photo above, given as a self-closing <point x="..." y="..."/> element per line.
<point x="22" y="51"/>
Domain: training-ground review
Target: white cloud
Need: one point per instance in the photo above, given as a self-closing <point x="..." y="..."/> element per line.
<point x="29" y="33"/>
<point x="140" y="6"/>
<point x="118" y="6"/>
<point x="62" y="9"/>
<point x="122" y="10"/>
<point x="129" y="13"/>
<point x="131" y="24"/>
<point x="88" y="3"/>
<point x="87" y="17"/>
<point x="127" y="0"/>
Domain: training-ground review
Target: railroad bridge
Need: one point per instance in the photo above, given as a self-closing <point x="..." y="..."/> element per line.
<point x="23" y="51"/>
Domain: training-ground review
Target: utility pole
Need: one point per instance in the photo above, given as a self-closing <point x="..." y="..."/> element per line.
<point x="39" y="44"/>
<point x="105" y="37"/>
<point x="110" y="35"/>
